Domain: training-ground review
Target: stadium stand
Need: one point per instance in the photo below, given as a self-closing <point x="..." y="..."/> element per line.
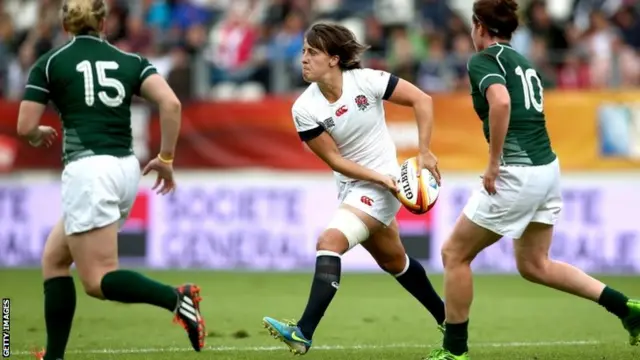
<point x="222" y="49"/>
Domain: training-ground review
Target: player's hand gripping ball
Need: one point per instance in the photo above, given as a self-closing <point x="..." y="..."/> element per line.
<point x="417" y="194"/>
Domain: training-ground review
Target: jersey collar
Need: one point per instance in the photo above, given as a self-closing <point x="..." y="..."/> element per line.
<point x="501" y="43"/>
<point x="88" y="37"/>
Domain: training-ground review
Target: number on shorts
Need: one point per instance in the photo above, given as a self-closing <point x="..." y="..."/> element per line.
<point x="85" y="67"/>
<point x="527" y="77"/>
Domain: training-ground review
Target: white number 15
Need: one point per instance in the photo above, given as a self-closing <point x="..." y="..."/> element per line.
<point x="104" y="81"/>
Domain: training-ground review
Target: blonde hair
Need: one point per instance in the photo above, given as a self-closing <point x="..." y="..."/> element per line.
<point x="83" y="16"/>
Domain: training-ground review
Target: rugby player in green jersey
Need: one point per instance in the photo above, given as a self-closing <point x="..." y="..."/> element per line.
<point x="521" y="194"/>
<point x="92" y="83"/>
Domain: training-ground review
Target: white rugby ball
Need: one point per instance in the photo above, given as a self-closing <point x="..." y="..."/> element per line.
<point x="417" y="194"/>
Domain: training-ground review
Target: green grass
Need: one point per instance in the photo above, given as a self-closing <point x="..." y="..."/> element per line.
<point x="371" y="318"/>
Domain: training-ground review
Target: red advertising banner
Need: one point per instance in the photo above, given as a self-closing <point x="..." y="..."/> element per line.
<point x="262" y="135"/>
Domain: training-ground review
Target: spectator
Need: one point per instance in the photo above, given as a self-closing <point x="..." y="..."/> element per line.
<point x="232" y="47"/>
<point x="435" y="73"/>
<point x="6" y="35"/>
<point x="424" y="41"/>
<point x="574" y="72"/>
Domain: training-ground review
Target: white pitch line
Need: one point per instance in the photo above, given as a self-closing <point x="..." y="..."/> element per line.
<point x="323" y="347"/>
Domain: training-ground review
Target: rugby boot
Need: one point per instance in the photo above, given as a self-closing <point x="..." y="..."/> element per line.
<point x="289" y="333"/>
<point x="38" y="354"/>
<point x="441" y="354"/>
<point x="631" y="322"/>
<point x="188" y="314"/>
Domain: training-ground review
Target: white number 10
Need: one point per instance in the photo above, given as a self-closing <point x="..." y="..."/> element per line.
<point x="104" y="81"/>
<point x="527" y="78"/>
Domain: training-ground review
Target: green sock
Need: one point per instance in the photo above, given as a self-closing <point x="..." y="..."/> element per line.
<point x="455" y="338"/>
<point x="130" y="287"/>
<point x="59" y="307"/>
<point x="614" y="301"/>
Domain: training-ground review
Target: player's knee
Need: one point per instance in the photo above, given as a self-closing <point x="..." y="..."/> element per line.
<point x="455" y="251"/>
<point x="533" y="269"/>
<point x="55" y="263"/>
<point x="93" y="286"/>
<point x="451" y="255"/>
<point x="345" y="231"/>
<point x="395" y="267"/>
<point x="393" y="264"/>
<point x="332" y="240"/>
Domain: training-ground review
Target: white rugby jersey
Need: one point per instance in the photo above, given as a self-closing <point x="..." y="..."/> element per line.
<point x="356" y="122"/>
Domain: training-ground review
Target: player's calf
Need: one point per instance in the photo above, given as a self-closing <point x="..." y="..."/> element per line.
<point x="415" y="280"/>
<point x="59" y="293"/>
<point x="386" y="248"/>
<point x="326" y="282"/>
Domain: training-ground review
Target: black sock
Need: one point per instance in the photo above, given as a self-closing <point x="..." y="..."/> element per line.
<point x="131" y="287"/>
<point x="455" y="338"/>
<point x="614" y="301"/>
<point x="59" y="307"/>
<point x="416" y="282"/>
<point x="326" y="282"/>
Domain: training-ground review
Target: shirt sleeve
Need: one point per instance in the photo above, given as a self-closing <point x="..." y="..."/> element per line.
<point x="146" y="69"/>
<point x="484" y="71"/>
<point x="37" y="88"/>
<point x="306" y="126"/>
<point x="379" y="84"/>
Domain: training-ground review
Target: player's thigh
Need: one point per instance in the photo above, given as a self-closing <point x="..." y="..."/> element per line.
<point x="466" y="241"/>
<point x="129" y="183"/>
<point x="56" y="257"/>
<point x="365" y="209"/>
<point x="387" y="249"/>
<point x="93" y="191"/>
<point x="511" y="208"/>
<point x="531" y="250"/>
<point x="95" y="253"/>
<point x="550" y="207"/>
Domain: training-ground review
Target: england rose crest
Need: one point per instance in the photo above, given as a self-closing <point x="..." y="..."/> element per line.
<point x="362" y="102"/>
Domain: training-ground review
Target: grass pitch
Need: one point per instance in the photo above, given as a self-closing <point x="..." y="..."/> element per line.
<point x="371" y="318"/>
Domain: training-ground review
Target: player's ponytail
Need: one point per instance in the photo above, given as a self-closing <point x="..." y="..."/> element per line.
<point x="499" y="17"/>
<point x="83" y="17"/>
<point x="337" y="40"/>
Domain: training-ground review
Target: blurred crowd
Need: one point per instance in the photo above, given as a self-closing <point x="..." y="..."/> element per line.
<point x="250" y="48"/>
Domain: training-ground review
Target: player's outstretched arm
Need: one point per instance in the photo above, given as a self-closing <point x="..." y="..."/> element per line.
<point x="407" y="94"/>
<point x="155" y="89"/>
<point x="325" y="148"/>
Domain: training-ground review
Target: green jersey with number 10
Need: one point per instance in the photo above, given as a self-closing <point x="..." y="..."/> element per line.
<point x="527" y="142"/>
<point x="91" y="83"/>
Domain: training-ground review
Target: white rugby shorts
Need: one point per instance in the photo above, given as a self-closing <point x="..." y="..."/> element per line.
<point x="98" y="191"/>
<point x="525" y="194"/>
<point x="374" y="200"/>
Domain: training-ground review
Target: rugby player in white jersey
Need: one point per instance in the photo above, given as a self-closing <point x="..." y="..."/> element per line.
<point x="341" y="118"/>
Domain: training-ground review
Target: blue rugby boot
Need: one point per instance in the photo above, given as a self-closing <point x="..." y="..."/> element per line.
<point x="289" y="333"/>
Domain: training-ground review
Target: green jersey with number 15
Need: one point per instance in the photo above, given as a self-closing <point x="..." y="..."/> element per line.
<point x="527" y="142"/>
<point x="91" y="83"/>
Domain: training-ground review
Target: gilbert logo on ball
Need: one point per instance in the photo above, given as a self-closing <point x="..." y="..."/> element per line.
<point x="417" y="194"/>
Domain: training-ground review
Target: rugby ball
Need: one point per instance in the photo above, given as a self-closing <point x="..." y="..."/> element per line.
<point x="417" y="194"/>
